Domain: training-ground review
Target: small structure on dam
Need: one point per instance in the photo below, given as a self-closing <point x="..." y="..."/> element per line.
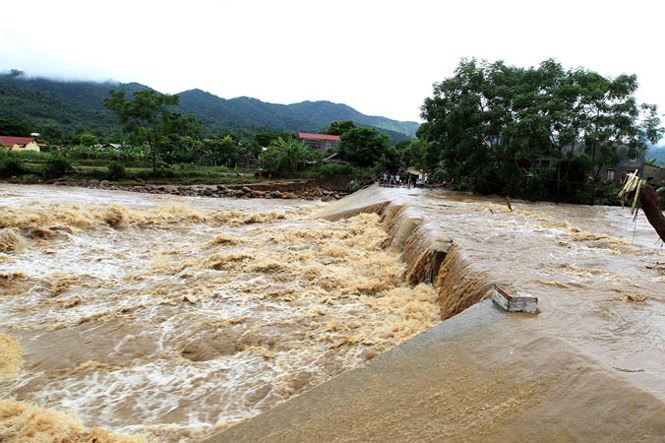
<point x="514" y="303"/>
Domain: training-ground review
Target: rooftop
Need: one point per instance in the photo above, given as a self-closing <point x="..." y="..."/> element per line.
<point x="310" y="136"/>
<point x="8" y="140"/>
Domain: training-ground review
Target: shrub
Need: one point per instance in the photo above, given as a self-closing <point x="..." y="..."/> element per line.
<point x="116" y="171"/>
<point x="29" y="179"/>
<point x="56" y="167"/>
<point x="10" y="166"/>
<point x="334" y="169"/>
<point x="353" y="186"/>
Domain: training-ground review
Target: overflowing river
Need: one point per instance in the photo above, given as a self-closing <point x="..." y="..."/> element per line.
<point x="175" y="317"/>
<point x="172" y="318"/>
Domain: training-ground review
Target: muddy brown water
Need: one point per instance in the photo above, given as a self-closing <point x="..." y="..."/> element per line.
<point x="599" y="275"/>
<point x="176" y="317"/>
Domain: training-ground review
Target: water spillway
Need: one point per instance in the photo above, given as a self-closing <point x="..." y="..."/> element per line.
<point x="589" y="366"/>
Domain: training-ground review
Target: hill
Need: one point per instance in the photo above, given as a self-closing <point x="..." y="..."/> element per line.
<point x="75" y="105"/>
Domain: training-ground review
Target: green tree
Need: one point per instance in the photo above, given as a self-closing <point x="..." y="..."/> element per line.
<point x="340" y="127"/>
<point x="363" y="146"/>
<point x="148" y="120"/>
<point x="14" y="127"/>
<point x="609" y="116"/>
<point x="285" y="156"/>
<point x="489" y="124"/>
<point x="265" y="138"/>
<point x="86" y="139"/>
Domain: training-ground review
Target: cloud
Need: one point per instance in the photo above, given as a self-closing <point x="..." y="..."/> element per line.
<point x="380" y="57"/>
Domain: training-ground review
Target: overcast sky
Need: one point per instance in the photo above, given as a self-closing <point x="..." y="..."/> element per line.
<point x="380" y="57"/>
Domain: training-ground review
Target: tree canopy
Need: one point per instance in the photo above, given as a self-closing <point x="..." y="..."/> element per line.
<point x="339" y="127"/>
<point x="363" y="146"/>
<point x="487" y="125"/>
<point x="148" y="120"/>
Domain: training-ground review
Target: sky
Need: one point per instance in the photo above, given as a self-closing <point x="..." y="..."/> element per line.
<point x="380" y="57"/>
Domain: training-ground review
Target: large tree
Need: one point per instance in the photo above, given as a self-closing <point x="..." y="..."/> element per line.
<point x="339" y="127"/>
<point x="149" y="120"/>
<point x="363" y="146"/>
<point x="490" y="123"/>
<point x="609" y="116"/>
<point x="14" y="127"/>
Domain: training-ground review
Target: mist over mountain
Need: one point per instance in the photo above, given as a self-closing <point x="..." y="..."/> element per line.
<point x="79" y="104"/>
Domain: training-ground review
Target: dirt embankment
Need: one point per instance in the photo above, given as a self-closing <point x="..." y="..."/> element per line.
<point x="290" y="190"/>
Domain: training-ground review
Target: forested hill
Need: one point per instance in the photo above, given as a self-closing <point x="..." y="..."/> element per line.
<point x="78" y="105"/>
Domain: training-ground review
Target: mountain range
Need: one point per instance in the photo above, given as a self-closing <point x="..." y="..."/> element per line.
<point x="79" y="105"/>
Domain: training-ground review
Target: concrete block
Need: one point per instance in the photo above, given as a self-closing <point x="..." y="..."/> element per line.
<point x="514" y="303"/>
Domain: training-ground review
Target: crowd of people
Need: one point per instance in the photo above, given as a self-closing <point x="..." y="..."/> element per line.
<point x="408" y="180"/>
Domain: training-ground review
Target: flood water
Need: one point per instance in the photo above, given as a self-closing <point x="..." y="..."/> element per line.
<point x="599" y="275"/>
<point x="175" y="317"/>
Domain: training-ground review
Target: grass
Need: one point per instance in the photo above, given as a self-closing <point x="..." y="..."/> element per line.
<point x="33" y="164"/>
<point x="33" y="173"/>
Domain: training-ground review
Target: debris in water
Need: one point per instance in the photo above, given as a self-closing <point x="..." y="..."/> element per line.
<point x="636" y="298"/>
<point x="627" y="370"/>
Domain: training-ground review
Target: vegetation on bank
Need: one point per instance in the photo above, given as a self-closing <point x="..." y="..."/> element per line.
<point x="488" y="126"/>
<point x="541" y="133"/>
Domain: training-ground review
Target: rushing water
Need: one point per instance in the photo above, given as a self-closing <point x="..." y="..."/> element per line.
<point x="173" y="317"/>
<point x="599" y="275"/>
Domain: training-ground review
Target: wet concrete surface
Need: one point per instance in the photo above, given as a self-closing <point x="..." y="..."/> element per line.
<point x="480" y="376"/>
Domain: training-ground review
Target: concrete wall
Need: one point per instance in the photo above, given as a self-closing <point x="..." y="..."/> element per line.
<point x="321" y="145"/>
<point x="655" y="173"/>
<point x="32" y="146"/>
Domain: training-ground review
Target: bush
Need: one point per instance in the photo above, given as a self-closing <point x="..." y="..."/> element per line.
<point x="10" y="166"/>
<point x="353" y="186"/>
<point x="162" y="171"/>
<point x="116" y="171"/>
<point x="29" y="179"/>
<point x="334" y="169"/>
<point x="56" y="167"/>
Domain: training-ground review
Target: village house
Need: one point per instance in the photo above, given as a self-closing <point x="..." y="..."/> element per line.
<point x="609" y="173"/>
<point x="19" y="143"/>
<point x="320" y="142"/>
<point x="654" y="172"/>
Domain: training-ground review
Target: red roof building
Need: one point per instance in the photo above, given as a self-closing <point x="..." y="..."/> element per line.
<point x="9" y="141"/>
<point x="320" y="142"/>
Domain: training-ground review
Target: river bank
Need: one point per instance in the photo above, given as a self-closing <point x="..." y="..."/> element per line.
<point x="267" y="189"/>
